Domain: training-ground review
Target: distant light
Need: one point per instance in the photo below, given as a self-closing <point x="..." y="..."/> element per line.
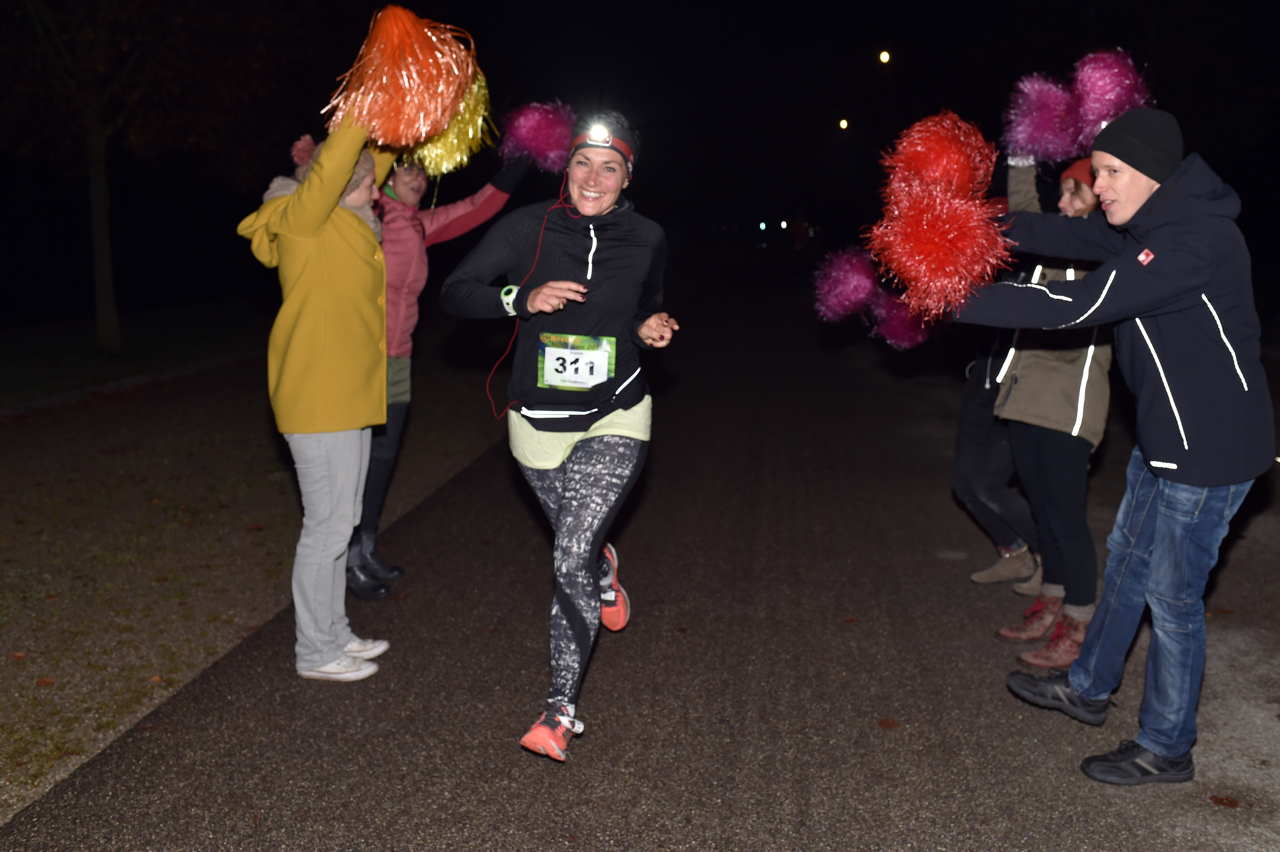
<point x="784" y="224"/>
<point x="884" y="57"/>
<point x="762" y="226"/>
<point x="844" y="124"/>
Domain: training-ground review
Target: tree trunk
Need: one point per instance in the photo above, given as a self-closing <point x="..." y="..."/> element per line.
<point x="108" y="320"/>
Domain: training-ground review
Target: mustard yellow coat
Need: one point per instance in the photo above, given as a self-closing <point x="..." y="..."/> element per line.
<point x="327" y="356"/>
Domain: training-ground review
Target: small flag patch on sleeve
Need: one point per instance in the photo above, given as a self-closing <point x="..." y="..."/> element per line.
<point x="1146" y="257"/>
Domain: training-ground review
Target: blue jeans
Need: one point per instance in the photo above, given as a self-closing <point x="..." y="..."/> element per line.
<point x="1161" y="550"/>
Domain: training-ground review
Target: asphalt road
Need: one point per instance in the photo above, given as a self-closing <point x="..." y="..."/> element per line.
<point x="808" y="666"/>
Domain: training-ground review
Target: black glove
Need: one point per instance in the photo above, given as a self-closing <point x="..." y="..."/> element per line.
<point x="510" y="175"/>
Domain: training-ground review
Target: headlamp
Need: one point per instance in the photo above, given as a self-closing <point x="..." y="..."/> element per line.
<point x="599" y="136"/>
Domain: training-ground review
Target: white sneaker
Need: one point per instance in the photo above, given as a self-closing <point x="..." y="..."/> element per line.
<point x="366" y="649"/>
<point x="344" y="668"/>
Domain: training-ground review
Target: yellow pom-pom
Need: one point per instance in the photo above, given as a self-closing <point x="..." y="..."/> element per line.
<point x="466" y="134"/>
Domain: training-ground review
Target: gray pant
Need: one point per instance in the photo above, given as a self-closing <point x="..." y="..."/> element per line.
<point x="331" y="470"/>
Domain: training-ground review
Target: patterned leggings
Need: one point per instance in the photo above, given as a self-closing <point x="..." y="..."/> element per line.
<point x="581" y="498"/>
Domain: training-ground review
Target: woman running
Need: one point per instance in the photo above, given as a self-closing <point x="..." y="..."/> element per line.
<point x="584" y="276"/>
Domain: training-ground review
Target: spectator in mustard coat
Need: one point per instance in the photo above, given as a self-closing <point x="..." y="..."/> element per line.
<point x="326" y="372"/>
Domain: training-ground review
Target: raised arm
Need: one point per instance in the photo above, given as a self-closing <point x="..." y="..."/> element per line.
<point x="305" y="212"/>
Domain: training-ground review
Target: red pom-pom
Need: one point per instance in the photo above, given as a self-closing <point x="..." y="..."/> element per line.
<point x="303" y="150"/>
<point x="895" y="323"/>
<point x="939" y="246"/>
<point x="845" y="280"/>
<point x="937" y="235"/>
<point x="542" y="131"/>
<point x="1106" y="85"/>
<point x="943" y="152"/>
<point x="1041" y="121"/>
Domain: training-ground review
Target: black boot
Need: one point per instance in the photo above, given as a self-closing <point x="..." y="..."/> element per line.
<point x="368" y="557"/>
<point x="363" y="586"/>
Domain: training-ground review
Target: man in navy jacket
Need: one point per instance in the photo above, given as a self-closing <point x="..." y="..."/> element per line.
<point x="1175" y="277"/>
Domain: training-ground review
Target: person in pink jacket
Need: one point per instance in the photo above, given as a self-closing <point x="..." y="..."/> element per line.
<point x="406" y="234"/>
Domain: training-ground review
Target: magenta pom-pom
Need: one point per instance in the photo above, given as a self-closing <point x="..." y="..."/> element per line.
<point x="845" y="280"/>
<point x="1106" y="85"/>
<point x="303" y="150"/>
<point x="541" y="131"/>
<point x="895" y="324"/>
<point x="1041" y="121"/>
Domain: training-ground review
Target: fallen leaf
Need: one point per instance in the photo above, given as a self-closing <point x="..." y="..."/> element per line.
<point x="50" y="597"/>
<point x="162" y="579"/>
<point x="1225" y="801"/>
<point x="183" y="603"/>
<point x="18" y="655"/>
<point x="682" y="629"/>
<point x="1226" y="611"/>
<point x="255" y="527"/>
<point x="157" y="679"/>
<point x="851" y="620"/>
<point x="155" y="499"/>
<point x="888" y="723"/>
<point x="45" y="681"/>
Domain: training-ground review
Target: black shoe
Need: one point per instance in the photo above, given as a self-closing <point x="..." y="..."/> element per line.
<point x="1055" y="693"/>
<point x="364" y="551"/>
<point x="1132" y="764"/>
<point x="364" y="587"/>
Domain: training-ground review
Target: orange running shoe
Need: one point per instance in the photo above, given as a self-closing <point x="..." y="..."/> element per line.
<point x="615" y="606"/>
<point x="551" y="736"/>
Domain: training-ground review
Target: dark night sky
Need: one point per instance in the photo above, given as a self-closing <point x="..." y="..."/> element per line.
<point x="738" y="110"/>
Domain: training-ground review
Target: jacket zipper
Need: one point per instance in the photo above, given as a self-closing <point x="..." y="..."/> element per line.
<point x="592" y="253"/>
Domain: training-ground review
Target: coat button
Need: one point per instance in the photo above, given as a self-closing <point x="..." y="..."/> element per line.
<point x="382" y="345"/>
<point x="382" y="300"/>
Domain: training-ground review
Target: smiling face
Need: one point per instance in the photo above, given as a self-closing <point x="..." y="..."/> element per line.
<point x="409" y="183"/>
<point x="365" y="193"/>
<point x="1120" y="187"/>
<point x="1076" y="199"/>
<point x="596" y="178"/>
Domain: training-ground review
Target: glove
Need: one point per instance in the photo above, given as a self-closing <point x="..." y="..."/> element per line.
<point x="509" y="177"/>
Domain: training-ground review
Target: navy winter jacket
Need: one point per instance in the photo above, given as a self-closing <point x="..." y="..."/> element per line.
<point x="1176" y="279"/>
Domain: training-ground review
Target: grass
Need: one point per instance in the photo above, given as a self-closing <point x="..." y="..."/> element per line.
<point x="51" y="360"/>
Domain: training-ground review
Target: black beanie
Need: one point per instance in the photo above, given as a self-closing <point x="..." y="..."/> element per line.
<point x="1149" y="140"/>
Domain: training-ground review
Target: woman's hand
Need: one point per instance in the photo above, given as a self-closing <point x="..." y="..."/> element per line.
<point x="658" y="330"/>
<point x="554" y="295"/>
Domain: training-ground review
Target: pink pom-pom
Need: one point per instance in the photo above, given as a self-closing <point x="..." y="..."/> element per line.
<point x="843" y="283"/>
<point x="895" y="324"/>
<point x="542" y="131"/>
<point x="1106" y="85"/>
<point x="943" y="152"/>
<point x="1041" y="121"/>
<point x="939" y="246"/>
<point x="303" y="150"/>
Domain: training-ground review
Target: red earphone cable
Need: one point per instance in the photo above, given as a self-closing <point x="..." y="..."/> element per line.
<point x="493" y="406"/>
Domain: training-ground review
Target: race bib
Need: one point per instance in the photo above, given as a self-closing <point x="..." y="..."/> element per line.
<point x="575" y="361"/>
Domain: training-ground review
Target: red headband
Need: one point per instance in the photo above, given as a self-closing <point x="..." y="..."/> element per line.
<point x="583" y="140"/>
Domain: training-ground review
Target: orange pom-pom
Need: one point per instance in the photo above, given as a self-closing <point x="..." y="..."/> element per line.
<point x="944" y="152"/>
<point x="408" y="80"/>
